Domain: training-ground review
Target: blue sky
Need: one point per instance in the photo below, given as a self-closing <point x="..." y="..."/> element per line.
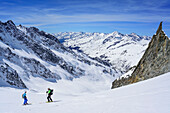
<point x="125" y="16"/>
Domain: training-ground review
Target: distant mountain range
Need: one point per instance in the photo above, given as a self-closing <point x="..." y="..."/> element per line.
<point x="120" y="51"/>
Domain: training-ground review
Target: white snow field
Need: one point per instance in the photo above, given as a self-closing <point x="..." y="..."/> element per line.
<point x="84" y="96"/>
<point x="121" y="50"/>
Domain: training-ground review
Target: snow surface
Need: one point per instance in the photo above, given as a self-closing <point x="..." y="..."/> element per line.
<point x="121" y="50"/>
<point x="85" y="96"/>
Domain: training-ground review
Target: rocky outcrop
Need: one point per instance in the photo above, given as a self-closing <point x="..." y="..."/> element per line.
<point x="9" y="75"/>
<point x="155" y="61"/>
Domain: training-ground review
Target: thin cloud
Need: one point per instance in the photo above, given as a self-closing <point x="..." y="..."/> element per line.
<point x="33" y="13"/>
<point x="56" y="19"/>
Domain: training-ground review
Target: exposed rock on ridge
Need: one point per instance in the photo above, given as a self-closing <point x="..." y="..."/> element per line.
<point x="11" y="76"/>
<point x="155" y="61"/>
<point x="26" y="53"/>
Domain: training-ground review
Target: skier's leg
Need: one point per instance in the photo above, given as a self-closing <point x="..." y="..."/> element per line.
<point x="48" y="98"/>
<point x="51" y="98"/>
<point x="25" y="101"/>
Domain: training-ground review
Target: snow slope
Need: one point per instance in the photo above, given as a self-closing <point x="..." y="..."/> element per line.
<point x="149" y="96"/>
<point x="123" y="51"/>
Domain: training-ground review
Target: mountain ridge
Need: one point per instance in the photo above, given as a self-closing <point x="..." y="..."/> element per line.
<point x="154" y="62"/>
<point x="110" y="47"/>
<point x="34" y="53"/>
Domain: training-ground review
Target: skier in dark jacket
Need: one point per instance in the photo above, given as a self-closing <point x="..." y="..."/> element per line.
<point x="25" y="98"/>
<point x="49" y="92"/>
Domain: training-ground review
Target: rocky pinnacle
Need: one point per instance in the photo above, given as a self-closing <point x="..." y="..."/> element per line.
<point x="155" y="61"/>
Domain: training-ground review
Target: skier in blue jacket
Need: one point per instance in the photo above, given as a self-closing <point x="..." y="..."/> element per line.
<point x="25" y="98"/>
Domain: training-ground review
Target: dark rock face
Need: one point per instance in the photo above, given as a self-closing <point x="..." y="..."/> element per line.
<point x="155" y="61"/>
<point x="10" y="76"/>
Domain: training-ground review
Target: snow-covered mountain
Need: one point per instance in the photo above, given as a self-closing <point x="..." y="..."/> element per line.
<point x="122" y="51"/>
<point x="33" y="59"/>
<point x="28" y="53"/>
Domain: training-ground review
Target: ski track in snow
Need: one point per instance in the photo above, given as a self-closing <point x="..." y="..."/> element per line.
<point x="150" y="96"/>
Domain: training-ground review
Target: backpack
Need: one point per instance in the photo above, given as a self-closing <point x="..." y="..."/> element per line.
<point x="23" y="95"/>
<point x="51" y="93"/>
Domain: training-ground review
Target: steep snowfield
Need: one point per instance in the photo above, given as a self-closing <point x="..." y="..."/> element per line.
<point x="79" y="96"/>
